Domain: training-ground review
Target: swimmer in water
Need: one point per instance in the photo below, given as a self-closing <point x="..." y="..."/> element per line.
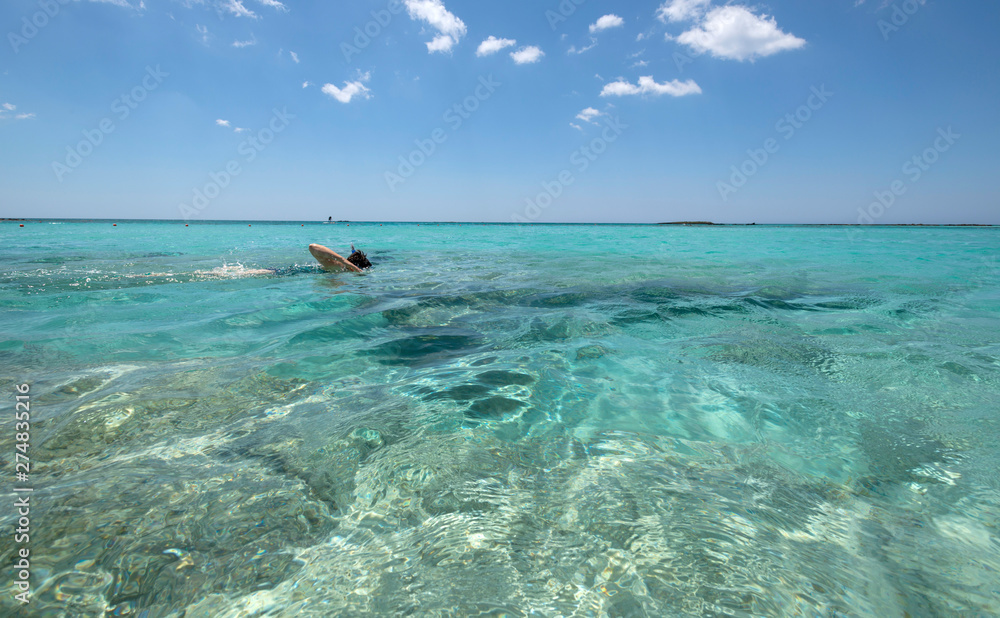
<point x="330" y="261"/>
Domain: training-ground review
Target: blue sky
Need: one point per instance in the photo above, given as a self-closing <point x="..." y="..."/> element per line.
<point x="834" y="111"/>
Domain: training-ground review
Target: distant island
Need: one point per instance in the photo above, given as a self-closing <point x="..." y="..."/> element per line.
<point x="693" y="223"/>
<point x="839" y="224"/>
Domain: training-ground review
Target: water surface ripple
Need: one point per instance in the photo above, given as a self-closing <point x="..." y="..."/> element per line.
<point x="506" y="421"/>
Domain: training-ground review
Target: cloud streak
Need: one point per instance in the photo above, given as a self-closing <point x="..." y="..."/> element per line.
<point x="681" y="10"/>
<point x="350" y="90"/>
<point x="588" y="114"/>
<point x="648" y="86"/>
<point x="492" y="45"/>
<point x="735" y="33"/>
<point x="9" y="107"/>
<point x="527" y="55"/>
<point x="606" y="22"/>
<point x="274" y="4"/>
<point x="236" y="8"/>
<point x="433" y="12"/>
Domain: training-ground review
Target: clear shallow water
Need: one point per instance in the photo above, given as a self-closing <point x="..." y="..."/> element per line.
<point x="500" y="420"/>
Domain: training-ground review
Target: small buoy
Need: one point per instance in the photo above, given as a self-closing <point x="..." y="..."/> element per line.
<point x="114" y="225"/>
<point x="22" y="225"/>
<point x="249" y="225"/>
<point x="185" y="225"/>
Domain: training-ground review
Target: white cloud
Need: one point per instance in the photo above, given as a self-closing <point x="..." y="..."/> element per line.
<point x="527" y="55"/>
<point x="735" y="33"/>
<point x="492" y="45"/>
<point x="588" y="114"/>
<point x="294" y="56"/>
<point x="242" y="44"/>
<point x="306" y="84"/>
<point x="681" y="10"/>
<point x="608" y="21"/>
<point x="240" y="130"/>
<point x="222" y="123"/>
<point x="122" y="3"/>
<point x="441" y="43"/>
<point x="350" y="90"/>
<point x="275" y="4"/>
<point x="9" y="107"/>
<point x="203" y="31"/>
<point x="576" y="126"/>
<point x="450" y="27"/>
<point x="236" y="8"/>
<point x="647" y="85"/>
<point x="573" y="49"/>
<point x="640" y="63"/>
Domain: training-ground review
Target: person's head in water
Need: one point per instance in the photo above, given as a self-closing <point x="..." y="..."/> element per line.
<point x="359" y="259"/>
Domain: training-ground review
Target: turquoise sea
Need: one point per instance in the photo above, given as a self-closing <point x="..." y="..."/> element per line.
<point x="502" y="420"/>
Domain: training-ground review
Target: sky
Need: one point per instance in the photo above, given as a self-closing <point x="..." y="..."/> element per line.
<point x="830" y="111"/>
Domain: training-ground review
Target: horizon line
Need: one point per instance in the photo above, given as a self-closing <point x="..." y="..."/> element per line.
<point x="314" y="222"/>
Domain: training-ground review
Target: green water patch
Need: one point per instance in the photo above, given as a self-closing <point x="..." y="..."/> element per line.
<point x="505" y="378"/>
<point x="494" y="407"/>
<point x="60" y="259"/>
<point x="777" y="354"/>
<point x="428" y="347"/>
<point x="463" y="392"/>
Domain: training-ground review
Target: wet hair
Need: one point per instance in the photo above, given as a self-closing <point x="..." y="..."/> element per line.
<point x="359" y="259"/>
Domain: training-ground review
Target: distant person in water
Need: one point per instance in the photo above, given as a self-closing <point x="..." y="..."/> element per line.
<point x="329" y="260"/>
